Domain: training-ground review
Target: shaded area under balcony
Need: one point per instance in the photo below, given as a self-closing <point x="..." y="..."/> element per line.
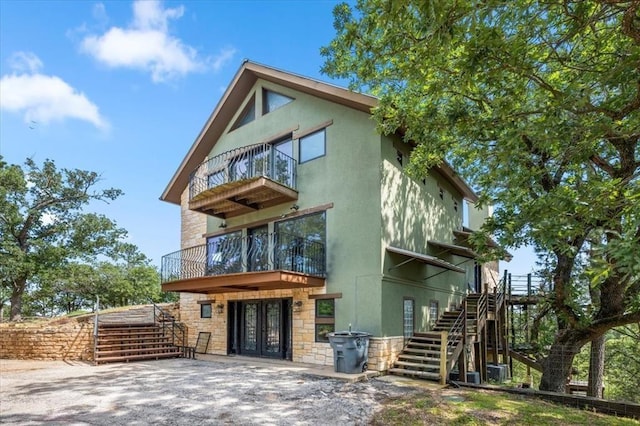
<point x="242" y="181"/>
<point x="250" y="263"/>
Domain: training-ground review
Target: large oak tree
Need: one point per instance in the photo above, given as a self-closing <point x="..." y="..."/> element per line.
<point x="537" y="103"/>
<point x="43" y="225"/>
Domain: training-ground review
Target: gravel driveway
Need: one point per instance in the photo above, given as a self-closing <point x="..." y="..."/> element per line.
<point x="185" y="392"/>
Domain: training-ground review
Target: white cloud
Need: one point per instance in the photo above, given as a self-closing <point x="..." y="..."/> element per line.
<point x="44" y="98"/>
<point x="25" y="62"/>
<point x="147" y="45"/>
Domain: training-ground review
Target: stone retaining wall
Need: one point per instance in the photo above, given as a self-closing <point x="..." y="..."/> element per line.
<point x="63" y="339"/>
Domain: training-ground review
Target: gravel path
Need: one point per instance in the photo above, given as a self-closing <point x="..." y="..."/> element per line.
<point x="185" y="392"/>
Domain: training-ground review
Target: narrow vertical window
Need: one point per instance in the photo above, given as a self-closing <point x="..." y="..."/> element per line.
<point x="408" y="318"/>
<point x="433" y="312"/>
<point x="325" y="319"/>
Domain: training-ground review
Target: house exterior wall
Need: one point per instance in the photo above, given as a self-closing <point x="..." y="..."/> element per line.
<point x="370" y="204"/>
<point x="347" y="179"/>
<point x="412" y="213"/>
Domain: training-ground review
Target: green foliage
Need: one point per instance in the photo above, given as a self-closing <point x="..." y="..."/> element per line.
<point x="54" y="256"/>
<point x="622" y="364"/>
<point x="538" y="105"/>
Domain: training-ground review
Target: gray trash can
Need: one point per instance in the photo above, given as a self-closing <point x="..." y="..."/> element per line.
<point x="350" y="351"/>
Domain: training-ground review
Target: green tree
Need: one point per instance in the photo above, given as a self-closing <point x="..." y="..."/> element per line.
<point x="43" y="225"/>
<point x="537" y="103"/>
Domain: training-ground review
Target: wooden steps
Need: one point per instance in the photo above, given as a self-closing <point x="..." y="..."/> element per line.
<point x="133" y="342"/>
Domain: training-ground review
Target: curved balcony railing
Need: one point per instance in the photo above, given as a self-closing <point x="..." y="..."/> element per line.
<point x="235" y="254"/>
<point x="259" y="160"/>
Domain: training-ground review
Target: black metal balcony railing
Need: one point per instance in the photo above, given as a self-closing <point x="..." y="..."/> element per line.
<point x="262" y="252"/>
<point x="259" y="160"/>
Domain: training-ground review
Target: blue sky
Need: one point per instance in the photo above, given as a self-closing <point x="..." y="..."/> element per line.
<point x="124" y="88"/>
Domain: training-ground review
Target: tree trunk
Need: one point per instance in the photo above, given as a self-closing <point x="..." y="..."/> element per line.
<point x="596" y="367"/>
<point x="557" y="366"/>
<point x="17" y="291"/>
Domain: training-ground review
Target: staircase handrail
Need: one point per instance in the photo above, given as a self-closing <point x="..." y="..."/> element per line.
<point x="178" y="338"/>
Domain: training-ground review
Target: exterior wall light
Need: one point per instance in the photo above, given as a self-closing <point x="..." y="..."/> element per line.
<point x="297" y="306"/>
<point x="220" y="308"/>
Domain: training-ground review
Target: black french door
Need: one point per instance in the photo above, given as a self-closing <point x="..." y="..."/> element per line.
<point x="261" y="328"/>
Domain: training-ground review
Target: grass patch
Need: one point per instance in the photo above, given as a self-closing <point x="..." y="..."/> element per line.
<point x="465" y="407"/>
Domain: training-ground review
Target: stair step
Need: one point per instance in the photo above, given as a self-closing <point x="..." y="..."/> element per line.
<point x="136" y="351"/>
<point x="424" y="359"/>
<point x="139" y="357"/>
<point x="133" y="345"/>
<point x="422" y="351"/>
<point x="422" y="374"/>
<point x="418" y="365"/>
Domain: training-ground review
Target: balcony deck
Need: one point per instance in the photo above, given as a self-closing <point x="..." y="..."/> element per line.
<point x="250" y="263"/>
<point x="243" y="180"/>
<point x="242" y="196"/>
<point x="245" y="281"/>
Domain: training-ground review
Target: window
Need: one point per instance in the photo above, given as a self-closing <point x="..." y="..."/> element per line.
<point x="325" y="319"/>
<point x="247" y="115"/>
<point x="312" y="146"/>
<point x="408" y="318"/>
<point x="205" y="310"/>
<point x="433" y="312"/>
<point x="300" y="244"/>
<point x="271" y="101"/>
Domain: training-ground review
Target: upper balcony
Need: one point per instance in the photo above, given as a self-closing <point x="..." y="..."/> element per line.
<point x="242" y="181"/>
<point x="250" y="263"/>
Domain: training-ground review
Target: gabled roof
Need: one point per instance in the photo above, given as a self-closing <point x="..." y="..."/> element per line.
<point x="235" y="94"/>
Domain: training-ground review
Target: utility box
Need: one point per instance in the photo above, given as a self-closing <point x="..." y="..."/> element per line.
<point x="350" y="351"/>
<point x="497" y="373"/>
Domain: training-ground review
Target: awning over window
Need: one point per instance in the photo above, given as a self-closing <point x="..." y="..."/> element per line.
<point x="425" y="258"/>
<point x="454" y="249"/>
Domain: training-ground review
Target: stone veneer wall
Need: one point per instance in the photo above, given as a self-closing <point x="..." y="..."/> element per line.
<point x="65" y="339"/>
<point x="304" y="348"/>
<point x="383" y="351"/>
<point x="194" y="224"/>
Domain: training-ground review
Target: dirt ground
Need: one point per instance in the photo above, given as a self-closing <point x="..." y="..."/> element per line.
<point x="187" y="392"/>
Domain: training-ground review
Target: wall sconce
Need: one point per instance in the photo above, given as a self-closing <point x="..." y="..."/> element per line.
<point x="295" y="207"/>
<point x="220" y="308"/>
<point x="223" y="225"/>
<point x="297" y="306"/>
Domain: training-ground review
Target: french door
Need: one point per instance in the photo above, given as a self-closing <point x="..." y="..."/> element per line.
<point x="261" y="328"/>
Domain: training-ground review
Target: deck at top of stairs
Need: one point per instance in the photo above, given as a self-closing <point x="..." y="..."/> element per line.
<point x="131" y="316"/>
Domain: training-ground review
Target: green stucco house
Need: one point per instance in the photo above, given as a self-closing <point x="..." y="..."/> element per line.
<point x="298" y="220"/>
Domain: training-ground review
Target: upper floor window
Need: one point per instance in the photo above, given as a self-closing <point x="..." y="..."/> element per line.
<point x="271" y="101"/>
<point x="247" y="115"/>
<point x="312" y="146"/>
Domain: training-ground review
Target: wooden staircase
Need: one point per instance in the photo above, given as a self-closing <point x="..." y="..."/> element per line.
<point x="432" y="355"/>
<point x="134" y="335"/>
<point x="424" y="356"/>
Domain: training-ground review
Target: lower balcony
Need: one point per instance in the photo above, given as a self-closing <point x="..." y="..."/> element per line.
<point x="251" y="263"/>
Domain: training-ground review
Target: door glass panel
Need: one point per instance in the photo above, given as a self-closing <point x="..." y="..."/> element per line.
<point x="258" y="249"/>
<point x="224" y="254"/>
<point x="250" y="341"/>
<point x="283" y="163"/>
<point x="272" y="329"/>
